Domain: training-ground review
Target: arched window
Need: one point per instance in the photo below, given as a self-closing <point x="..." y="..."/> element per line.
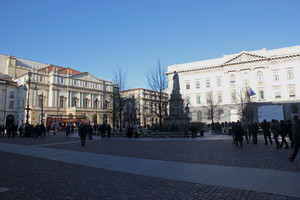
<point x="232" y="80"/>
<point x="199" y="116"/>
<point x="220" y="114"/>
<point x="260" y="77"/>
<point x="246" y="79"/>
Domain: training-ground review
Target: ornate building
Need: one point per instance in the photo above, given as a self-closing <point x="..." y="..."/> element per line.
<point x="265" y="79"/>
<point x="59" y="91"/>
<point x="141" y="106"/>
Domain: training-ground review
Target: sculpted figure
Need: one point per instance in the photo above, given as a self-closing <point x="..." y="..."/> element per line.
<point x="176" y="86"/>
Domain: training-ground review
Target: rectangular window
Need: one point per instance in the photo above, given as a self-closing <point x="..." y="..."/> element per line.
<point x="290" y="75"/>
<point x="188" y="86"/>
<point x="74" y="82"/>
<point x="218" y="82"/>
<point x="188" y="100"/>
<point x="61" y="102"/>
<point x="209" y="98"/>
<point x="208" y="84"/>
<point x="277" y="95"/>
<point x="261" y="95"/>
<point x="40" y="101"/>
<point x="61" y="80"/>
<point x="198" y="99"/>
<point x="219" y="98"/>
<point x="246" y="81"/>
<point x="11" y="95"/>
<point x="198" y="84"/>
<point x="41" y="79"/>
<point x="276" y="77"/>
<point x="11" y="104"/>
<point x="233" y="96"/>
<point x="232" y="83"/>
<point x="292" y="92"/>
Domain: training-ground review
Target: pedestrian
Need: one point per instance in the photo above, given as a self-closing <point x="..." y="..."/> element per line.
<point x="108" y="128"/>
<point x="238" y="134"/>
<point x="254" y="130"/>
<point x="283" y="133"/>
<point x="296" y="135"/>
<point x="289" y="132"/>
<point x="82" y="134"/>
<point x="245" y="129"/>
<point x="266" y="131"/>
<point x="275" y="131"/>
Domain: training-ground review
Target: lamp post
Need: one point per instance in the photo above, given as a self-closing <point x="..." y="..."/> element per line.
<point x="27" y="108"/>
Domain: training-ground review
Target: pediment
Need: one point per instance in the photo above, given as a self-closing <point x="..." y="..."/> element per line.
<point x="87" y="77"/>
<point x="244" y="57"/>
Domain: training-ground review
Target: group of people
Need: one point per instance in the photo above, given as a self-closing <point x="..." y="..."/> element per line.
<point x="85" y="130"/>
<point x="24" y="130"/>
<point x="275" y="128"/>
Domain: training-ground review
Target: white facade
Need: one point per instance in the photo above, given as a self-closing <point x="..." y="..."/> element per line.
<point x="65" y="92"/>
<point x="271" y="74"/>
<point x="146" y="104"/>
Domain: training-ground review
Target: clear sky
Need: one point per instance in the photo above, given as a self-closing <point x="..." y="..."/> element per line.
<point x="97" y="36"/>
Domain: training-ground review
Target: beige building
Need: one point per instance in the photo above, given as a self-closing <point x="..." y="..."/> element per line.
<point x="271" y="74"/>
<point x="141" y="106"/>
<point x="61" y="92"/>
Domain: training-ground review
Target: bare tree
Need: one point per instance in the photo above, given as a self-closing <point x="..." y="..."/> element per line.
<point x="212" y="107"/>
<point x="243" y="103"/>
<point x="120" y="78"/>
<point x="157" y="81"/>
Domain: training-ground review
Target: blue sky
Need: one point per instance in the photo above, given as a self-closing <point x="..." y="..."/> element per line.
<point x="98" y="36"/>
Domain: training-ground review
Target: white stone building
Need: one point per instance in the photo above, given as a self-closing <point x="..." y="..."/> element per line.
<point x="65" y="92"/>
<point x="271" y="74"/>
<point x="142" y="105"/>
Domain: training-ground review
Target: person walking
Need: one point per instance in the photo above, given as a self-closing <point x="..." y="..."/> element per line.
<point x="266" y="130"/>
<point x="254" y="131"/>
<point x="296" y="135"/>
<point x="245" y="129"/>
<point x="283" y="133"/>
<point x="82" y="134"/>
<point x="108" y="128"/>
<point x="275" y="131"/>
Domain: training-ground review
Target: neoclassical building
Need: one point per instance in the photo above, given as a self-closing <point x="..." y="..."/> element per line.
<point x="272" y="76"/>
<point x="61" y="92"/>
<point x="142" y="105"/>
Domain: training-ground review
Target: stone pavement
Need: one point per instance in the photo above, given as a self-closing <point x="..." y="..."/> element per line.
<point x="118" y="168"/>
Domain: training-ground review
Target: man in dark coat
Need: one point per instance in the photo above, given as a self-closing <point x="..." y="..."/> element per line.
<point x="266" y="130"/>
<point x="296" y="135"/>
<point x="238" y="134"/>
<point x="82" y="134"/>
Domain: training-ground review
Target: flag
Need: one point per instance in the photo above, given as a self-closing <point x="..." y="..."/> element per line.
<point x="96" y="100"/>
<point x="251" y="92"/>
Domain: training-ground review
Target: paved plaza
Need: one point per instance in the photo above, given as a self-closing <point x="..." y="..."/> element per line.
<point x="209" y="167"/>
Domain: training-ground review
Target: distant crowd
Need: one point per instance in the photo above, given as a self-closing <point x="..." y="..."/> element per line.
<point x="271" y="130"/>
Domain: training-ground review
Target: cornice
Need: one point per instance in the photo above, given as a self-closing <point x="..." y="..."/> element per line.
<point x="237" y="63"/>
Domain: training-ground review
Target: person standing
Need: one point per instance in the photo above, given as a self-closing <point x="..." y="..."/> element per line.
<point x="238" y="134"/>
<point x="245" y="129"/>
<point x="108" y="128"/>
<point x="283" y="133"/>
<point x="266" y="130"/>
<point x="275" y="131"/>
<point x="82" y="134"/>
<point x="296" y="136"/>
<point x="254" y="131"/>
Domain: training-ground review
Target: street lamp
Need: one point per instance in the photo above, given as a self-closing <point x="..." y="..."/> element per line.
<point x="27" y="108"/>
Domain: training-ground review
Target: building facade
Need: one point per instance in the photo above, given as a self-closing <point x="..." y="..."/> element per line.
<point x="265" y="79"/>
<point x="61" y="92"/>
<point x="141" y="106"/>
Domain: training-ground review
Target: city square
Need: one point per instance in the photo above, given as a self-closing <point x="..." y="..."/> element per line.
<point x="130" y="99"/>
<point x="57" y="167"/>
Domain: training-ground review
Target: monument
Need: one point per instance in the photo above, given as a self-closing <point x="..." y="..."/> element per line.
<point x="178" y="114"/>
